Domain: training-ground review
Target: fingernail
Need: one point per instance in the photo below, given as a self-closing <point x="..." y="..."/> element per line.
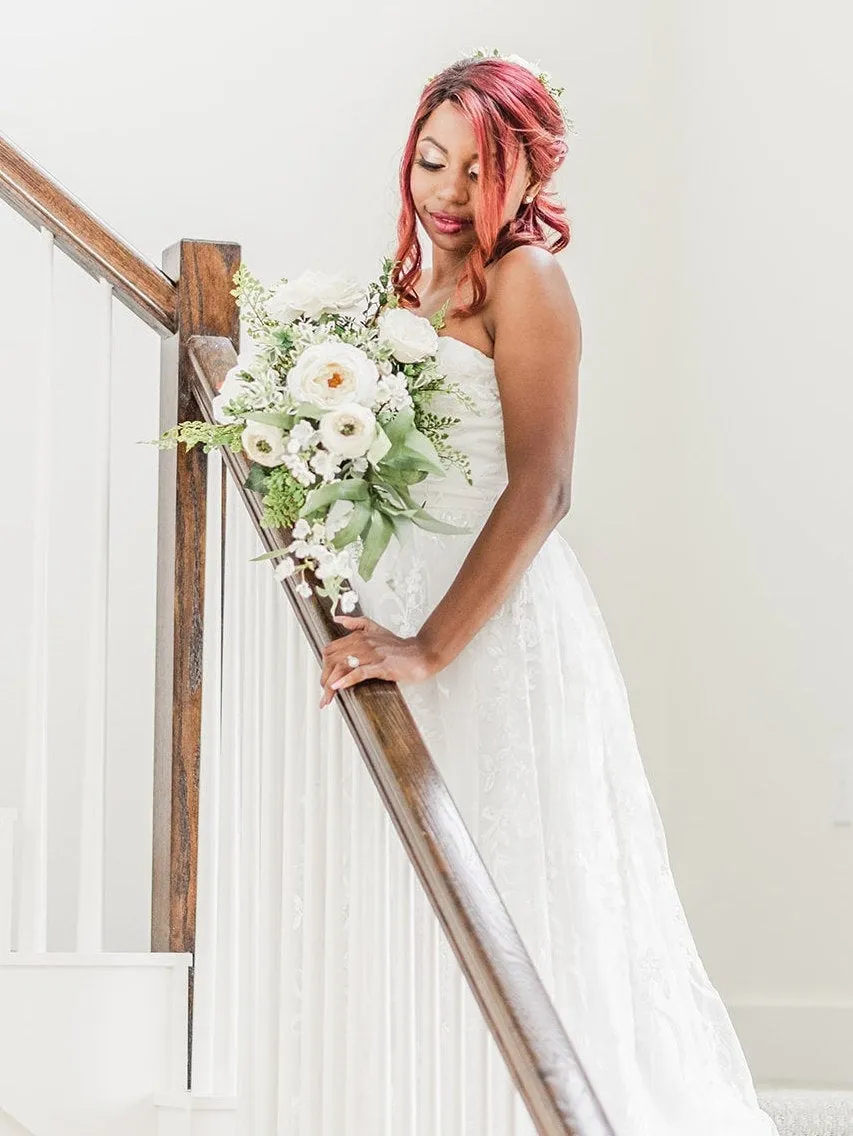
<point x="335" y="685"/>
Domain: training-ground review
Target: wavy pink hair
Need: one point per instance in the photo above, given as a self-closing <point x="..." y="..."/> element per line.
<point x="505" y="104"/>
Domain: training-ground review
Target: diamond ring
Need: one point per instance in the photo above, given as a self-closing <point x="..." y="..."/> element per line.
<point x="353" y="661"/>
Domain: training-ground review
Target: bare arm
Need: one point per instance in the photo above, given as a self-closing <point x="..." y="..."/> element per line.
<point x="537" y="349"/>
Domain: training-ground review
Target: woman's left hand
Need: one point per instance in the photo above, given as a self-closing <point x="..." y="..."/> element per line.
<point x="380" y="652"/>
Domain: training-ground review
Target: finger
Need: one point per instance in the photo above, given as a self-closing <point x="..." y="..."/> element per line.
<point x="336" y="672"/>
<point x="354" y="621"/>
<point x="357" y="674"/>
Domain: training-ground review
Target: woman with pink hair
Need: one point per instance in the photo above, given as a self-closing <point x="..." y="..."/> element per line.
<point x="501" y="652"/>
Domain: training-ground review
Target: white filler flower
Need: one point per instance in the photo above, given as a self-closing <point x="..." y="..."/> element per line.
<point x="264" y="443"/>
<point x="348" y="430"/>
<point x="329" y="374"/>
<point x="233" y="386"/>
<point x="410" y="337"/>
<point x="313" y="293"/>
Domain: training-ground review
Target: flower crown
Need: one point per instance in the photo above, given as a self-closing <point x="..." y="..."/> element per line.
<point x="543" y="76"/>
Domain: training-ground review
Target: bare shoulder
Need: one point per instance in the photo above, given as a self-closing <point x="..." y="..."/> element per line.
<point x="530" y="295"/>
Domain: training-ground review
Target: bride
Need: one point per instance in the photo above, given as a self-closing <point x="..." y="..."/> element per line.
<point x="497" y="641"/>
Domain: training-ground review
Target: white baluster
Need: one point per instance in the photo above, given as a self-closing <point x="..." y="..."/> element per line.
<point x="8" y="817"/>
<point x="90" y="909"/>
<point x="206" y="986"/>
<point x="32" y="910"/>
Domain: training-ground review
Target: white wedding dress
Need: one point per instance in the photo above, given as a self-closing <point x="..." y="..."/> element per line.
<point x="531" y="729"/>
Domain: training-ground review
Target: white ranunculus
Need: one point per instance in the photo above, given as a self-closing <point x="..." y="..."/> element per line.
<point x="232" y="386"/>
<point x="348" y="430"/>
<point x="313" y="293"/>
<point x="410" y="337"/>
<point x="264" y="443"/>
<point x="332" y="373"/>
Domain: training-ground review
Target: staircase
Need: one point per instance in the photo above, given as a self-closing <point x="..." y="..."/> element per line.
<point x="95" y="1044"/>
<point x="98" y="1044"/>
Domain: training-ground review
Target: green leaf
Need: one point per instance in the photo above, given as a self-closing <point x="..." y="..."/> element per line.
<point x="270" y="555"/>
<point x="280" y="418"/>
<point x="354" y="526"/>
<point x="398" y="427"/>
<point x="421" y="445"/>
<point x="308" y="410"/>
<point x="379" y="447"/>
<point x="423" y="520"/>
<point x="257" y="478"/>
<point x="375" y="542"/>
<point x="353" y="489"/>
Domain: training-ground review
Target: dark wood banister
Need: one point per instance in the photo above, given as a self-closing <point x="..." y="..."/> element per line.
<point x="87" y="240"/>
<point x="507" y="987"/>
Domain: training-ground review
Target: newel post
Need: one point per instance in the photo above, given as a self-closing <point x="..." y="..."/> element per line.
<point x="203" y="272"/>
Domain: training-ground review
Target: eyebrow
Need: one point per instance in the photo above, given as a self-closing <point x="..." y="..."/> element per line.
<point x="429" y="138"/>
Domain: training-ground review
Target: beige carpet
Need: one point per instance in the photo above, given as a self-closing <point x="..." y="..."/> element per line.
<point x="809" y="1112"/>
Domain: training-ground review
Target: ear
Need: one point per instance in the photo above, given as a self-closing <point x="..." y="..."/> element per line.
<point x="532" y="190"/>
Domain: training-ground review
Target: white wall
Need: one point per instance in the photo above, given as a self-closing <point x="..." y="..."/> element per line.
<point x="709" y="233"/>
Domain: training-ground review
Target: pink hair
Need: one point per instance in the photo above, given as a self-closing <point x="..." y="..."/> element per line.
<point x="506" y="104"/>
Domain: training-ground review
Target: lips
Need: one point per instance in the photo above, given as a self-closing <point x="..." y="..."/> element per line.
<point x="447" y="223"/>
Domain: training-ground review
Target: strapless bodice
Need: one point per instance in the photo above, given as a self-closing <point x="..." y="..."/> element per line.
<point x="479" y="433"/>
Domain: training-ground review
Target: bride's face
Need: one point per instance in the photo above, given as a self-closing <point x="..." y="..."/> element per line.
<point x="445" y="175"/>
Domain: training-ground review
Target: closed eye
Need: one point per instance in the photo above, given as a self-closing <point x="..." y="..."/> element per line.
<point x="430" y="166"/>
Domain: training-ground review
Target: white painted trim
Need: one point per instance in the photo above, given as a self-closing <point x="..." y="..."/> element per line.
<point x="104" y="959"/>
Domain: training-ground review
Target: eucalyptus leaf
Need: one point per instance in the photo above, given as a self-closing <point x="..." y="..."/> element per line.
<point x="376" y="539"/>
<point x="308" y="410"/>
<point x="354" y="526"/>
<point x="352" y="489"/>
<point x="398" y="427"/>
<point x="281" y="418"/>
<point x="379" y="447"/>
<point x="423" y="520"/>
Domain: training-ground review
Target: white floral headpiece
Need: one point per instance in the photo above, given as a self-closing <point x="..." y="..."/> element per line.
<point x="542" y="75"/>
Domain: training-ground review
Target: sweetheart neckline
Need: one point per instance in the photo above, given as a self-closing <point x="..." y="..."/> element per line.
<point x="483" y="354"/>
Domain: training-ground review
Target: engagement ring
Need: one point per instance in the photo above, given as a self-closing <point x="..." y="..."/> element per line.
<point x="353" y="661"/>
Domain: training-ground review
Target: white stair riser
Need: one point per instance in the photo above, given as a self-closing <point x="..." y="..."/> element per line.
<point x="85" y="1045"/>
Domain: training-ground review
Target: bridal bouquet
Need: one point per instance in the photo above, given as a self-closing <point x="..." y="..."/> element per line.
<point x="332" y="407"/>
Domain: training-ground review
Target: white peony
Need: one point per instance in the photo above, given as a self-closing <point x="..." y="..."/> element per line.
<point x="348" y="430"/>
<point x="329" y="374"/>
<point x="264" y="443"/>
<point x="233" y="386"/>
<point x="410" y="337"/>
<point x="313" y="293"/>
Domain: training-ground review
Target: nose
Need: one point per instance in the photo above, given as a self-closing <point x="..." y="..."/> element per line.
<point x="454" y="188"/>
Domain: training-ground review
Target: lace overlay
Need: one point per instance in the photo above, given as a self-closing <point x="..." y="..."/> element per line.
<point x="531" y="728"/>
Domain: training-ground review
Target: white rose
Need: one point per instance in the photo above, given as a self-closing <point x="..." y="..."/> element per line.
<point x="313" y="293"/>
<point x="264" y="443"/>
<point x="410" y="337"/>
<point x="329" y="374"/>
<point x="232" y="386"/>
<point x="348" y="430"/>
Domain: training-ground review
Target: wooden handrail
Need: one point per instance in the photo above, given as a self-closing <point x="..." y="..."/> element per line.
<point x="507" y="986"/>
<point x="88" y="241"/>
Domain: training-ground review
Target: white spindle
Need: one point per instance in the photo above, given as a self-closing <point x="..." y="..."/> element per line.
<point x="32" y="922"/>
<point x="8" y="817"/>
<point x="206" y="982"/>
<point x="90" y="909"/>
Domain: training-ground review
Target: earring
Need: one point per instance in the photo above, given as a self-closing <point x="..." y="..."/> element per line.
<point x="530" y="198"/>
